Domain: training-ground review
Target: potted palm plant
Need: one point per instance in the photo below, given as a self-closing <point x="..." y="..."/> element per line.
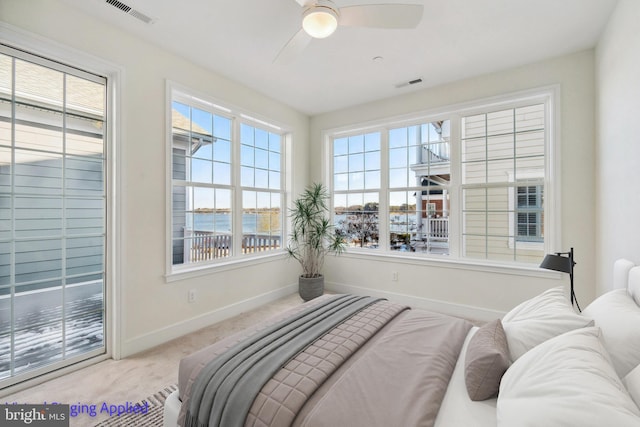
<point x="312" y="237"/>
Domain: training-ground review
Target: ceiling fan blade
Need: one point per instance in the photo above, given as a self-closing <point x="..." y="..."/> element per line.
<point x="382" y="15"/>
<point x="303" y="3"/>
<point x="293" y="48"/>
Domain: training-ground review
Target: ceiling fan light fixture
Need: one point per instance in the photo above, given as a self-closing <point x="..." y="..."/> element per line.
<point x="319" y="21"/>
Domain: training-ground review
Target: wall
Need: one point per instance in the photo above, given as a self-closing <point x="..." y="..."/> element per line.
<point x="618" y="143"/>
<point x="152" y="310"/>
<point x="447" y="285"/>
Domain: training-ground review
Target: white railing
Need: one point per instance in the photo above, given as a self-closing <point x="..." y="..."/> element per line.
<point x="435" y="153"/>
<point x="433" y="237"/>
<point x="437" y="228"/>
<point x="202" y="245"/>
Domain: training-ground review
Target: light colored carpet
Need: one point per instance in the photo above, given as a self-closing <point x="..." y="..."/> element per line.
<point x="117" y="382"/>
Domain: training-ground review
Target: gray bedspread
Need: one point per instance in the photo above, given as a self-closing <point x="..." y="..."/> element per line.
<point x="336" y="361"/>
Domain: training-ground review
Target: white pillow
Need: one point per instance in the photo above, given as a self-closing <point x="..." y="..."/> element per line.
<point x="617" y="314"/>
<point x="567" y="381"/>
<point x="538" y="319"/>
<point x="632" y="383"/>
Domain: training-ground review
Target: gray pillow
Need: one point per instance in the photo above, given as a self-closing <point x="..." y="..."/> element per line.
<point x="486" y="361"/>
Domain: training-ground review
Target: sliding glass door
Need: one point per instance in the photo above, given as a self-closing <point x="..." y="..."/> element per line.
<point x="52" y="215"/>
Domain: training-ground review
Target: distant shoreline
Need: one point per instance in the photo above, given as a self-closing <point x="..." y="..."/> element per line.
<point x="228" y="211"/>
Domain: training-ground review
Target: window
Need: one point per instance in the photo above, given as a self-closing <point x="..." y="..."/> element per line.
<point x="226" y="184"/>
<point x="53" y="215"/>
<point x="419" y="175"/>
<point x="417" y="178"/>
<point x="467" y="185"/>
<point x="503" y="159"/>
<point x="530" y="213"/>
<point x="357" y="188"/>
<point x="261" y="181"/>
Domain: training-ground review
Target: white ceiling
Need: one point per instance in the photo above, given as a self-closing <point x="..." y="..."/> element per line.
<point x="456" y="39"/>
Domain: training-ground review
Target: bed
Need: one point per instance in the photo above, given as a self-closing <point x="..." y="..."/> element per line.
<point x="347" y="360"/>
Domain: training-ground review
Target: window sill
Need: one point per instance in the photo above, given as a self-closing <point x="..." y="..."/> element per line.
<point x="188" y="272"/>
<point x="445" y="261"/>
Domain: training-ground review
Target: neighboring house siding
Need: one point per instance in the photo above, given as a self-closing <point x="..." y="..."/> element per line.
<point x="500" y="151"/>
<point x="179" y="202"/>
<point x="38" y="216"/>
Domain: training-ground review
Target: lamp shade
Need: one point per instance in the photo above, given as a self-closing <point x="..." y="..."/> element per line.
<point x="319" y="21"/>
<point x="564" y="264"/>
<point x="557" y="263"/>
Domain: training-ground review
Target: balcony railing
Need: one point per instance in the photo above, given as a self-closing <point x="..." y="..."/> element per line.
<point x="438" y="228"/>
<point x="434" y="236"/>
<point x="435" y="153"/>
<point x="202" y="245"/>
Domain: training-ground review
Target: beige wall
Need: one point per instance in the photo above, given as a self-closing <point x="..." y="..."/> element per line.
<point x="491" y="290"/>
<point x="150" y="308"/>
<point x="618" y="141"/>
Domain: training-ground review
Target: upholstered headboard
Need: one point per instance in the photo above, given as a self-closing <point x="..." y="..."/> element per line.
<point x="621" y="269"/>
<point x="634" y="284"/>
<point x="626" y="275"/>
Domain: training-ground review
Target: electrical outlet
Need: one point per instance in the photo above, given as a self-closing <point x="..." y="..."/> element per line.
<point x="394" y="276"/>
<point x="191" y="296"/>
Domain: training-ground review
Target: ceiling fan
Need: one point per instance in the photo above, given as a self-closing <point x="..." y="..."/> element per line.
<point x="320" y="18"/>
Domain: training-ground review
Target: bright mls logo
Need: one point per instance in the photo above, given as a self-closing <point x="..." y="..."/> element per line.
<point x="34" y="415"/>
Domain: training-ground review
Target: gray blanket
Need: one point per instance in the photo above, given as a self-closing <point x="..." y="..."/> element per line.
<point x="227" y="386"/>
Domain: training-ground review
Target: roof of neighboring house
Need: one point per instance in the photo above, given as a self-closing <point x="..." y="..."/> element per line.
<point x="180" y="121"/>
<point x="187" y="129"/>
<point x="41" y="86"/>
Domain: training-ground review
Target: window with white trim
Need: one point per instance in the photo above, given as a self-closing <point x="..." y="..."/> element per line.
<point x="467" y="185"/>
<point x="419" y="181"/>
<point x="357" y="188"/>
<point x="226" y="184"/>
<point x="414" y="187"/>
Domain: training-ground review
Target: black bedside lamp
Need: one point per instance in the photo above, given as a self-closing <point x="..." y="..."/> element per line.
<point x="563" y="262"/>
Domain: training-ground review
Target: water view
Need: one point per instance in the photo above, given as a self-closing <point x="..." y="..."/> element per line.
<point x="221" y="222"/>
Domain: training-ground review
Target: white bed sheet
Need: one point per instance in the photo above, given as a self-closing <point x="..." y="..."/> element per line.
<point x="171" y="410"/>
<point x="457" y="408"/>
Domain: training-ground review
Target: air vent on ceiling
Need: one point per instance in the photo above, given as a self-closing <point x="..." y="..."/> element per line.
<point x="130" y="11"/>
<point x="411" y="82"/>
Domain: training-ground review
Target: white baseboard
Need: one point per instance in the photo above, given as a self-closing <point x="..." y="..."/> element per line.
<point x="444" y="307"/>
<point x="167" y="333"/>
